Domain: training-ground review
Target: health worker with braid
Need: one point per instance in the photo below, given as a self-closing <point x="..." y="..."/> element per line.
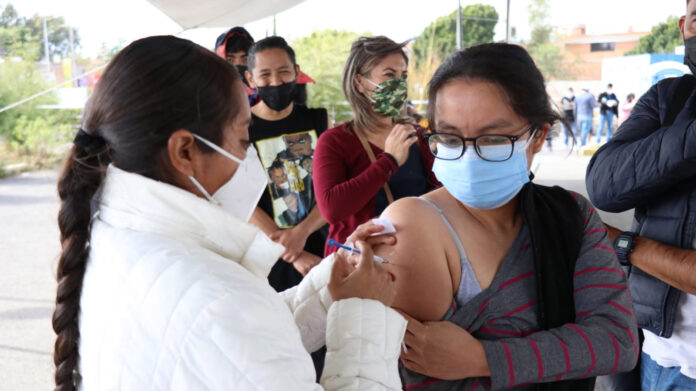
<point x="162" y="280"/>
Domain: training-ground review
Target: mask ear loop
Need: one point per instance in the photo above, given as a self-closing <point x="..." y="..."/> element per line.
<point x="203" y="190"/>
<point x="218" y="149"/>
<point x="529" y="140"/>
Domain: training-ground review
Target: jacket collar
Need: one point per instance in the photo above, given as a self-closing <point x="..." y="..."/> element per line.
<point x="141" y="204"/>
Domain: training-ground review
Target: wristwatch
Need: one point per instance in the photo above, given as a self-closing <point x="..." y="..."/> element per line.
<point x="623" y="245"/>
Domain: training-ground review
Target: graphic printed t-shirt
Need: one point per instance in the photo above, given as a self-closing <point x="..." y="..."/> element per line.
<point x="286" y="150"/>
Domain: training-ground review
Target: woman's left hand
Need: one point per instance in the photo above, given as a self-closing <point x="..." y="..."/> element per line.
<point x="443" y="350"/>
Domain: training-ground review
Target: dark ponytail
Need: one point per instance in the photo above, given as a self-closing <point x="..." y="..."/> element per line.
<point x="152" y="88"/>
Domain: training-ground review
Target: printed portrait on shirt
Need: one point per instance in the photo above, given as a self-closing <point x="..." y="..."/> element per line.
<point x="288" y="163"/>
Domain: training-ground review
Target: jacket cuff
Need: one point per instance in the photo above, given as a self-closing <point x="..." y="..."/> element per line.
<point x="388" y="162"/>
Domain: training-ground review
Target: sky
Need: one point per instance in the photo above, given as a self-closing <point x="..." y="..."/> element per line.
<point x="114" y="22"/>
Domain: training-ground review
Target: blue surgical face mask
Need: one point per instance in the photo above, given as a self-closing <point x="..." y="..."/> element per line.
<point x="482" y="184"/>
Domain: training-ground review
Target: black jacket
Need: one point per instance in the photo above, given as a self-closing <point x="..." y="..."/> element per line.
<point x="652" y="168"/>
<point x="603" y="105"/>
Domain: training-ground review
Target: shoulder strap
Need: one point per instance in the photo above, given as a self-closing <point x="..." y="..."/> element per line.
<point x="371" y="155"/>
<point x="684" y="89"/>
<point x="460" y="247"/>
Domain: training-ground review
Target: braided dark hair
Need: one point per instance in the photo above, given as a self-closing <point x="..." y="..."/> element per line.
<point x="152" y="88"/>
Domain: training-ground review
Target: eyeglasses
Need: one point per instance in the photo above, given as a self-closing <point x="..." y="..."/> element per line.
<point x="490" y="147"/>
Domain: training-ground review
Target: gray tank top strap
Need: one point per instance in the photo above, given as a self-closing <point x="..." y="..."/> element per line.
<point x="468" y="285"/>
<point x="460" y="247"/>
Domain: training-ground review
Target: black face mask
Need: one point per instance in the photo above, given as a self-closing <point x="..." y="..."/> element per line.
<point x="279" y="97"/>
<point x="690" y="54"/>
<point x="242" y="69"/>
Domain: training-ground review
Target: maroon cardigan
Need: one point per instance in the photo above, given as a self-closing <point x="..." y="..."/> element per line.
<point x="346" y="183"/>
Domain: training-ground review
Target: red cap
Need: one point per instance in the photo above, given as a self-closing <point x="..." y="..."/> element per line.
<point x="303" y="78"/>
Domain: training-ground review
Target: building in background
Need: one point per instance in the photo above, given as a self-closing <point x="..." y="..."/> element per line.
<point x="585" y="53"/>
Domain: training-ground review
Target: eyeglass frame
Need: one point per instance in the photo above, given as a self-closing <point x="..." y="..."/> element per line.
<point x="531" y="127"/>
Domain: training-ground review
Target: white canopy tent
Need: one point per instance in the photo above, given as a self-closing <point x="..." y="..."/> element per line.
<point x="220" y="13"/>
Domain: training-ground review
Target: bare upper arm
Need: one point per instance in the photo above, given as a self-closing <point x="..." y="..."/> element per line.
<point x="424" y="260"/>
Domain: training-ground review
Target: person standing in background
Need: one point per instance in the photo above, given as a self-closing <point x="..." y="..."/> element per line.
<point x="233" y="46"/>
<point x="585" y="104"/>
<point x="627" y="107"/>
<point x="284" y="133"/>
<point x="609" y="107"/>
<point x="568" y="107"/>
<point x="361" y="166"/>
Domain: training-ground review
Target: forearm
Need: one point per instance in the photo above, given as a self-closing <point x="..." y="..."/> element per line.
<point x="262" y="220"/>
<point x="675" y="266"/>
<point x="312" y="222"/>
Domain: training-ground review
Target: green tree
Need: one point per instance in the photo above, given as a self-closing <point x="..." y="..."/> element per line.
<point x="547" y="56"/>
<point x="663" y="38"/>
<point x="439" y="39"/>
<point x="323" y="55"/>
<point x="23" y="37"/>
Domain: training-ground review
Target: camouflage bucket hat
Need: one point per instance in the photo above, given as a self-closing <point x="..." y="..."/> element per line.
<point x="389" y="97"/>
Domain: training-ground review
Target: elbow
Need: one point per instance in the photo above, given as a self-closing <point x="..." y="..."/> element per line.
<point x="628" y="359"/>
<point x="328" y="210"/>
<point x="598" y="191"/>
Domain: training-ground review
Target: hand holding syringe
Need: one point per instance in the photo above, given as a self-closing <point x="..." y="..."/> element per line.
<point x="354" y="250"/>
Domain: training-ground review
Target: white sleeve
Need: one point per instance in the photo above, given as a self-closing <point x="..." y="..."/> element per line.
<point x="309" y="303"/>
<point x="363" y="345"/>
<point x="250" y="342"/>
<point x="244" y="340"/>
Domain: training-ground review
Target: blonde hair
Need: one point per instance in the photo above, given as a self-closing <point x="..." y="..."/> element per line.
<point x="365" y="54"/>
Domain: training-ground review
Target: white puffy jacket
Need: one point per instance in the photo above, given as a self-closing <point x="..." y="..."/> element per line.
<point x="175" y="297"/>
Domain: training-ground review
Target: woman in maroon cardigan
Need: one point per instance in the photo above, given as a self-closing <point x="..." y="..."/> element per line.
<point x="362" y="165"/>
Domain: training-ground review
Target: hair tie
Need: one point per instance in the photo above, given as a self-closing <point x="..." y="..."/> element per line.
<point x="89" y="142"/>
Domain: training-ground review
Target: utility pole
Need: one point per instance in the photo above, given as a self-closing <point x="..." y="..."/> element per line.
<point x="507" y="23"/>
<point x="459" y="25"/>
<point x="48" y="56"/>
<point x="274" y="25"/>
<point x="72" y="54"/>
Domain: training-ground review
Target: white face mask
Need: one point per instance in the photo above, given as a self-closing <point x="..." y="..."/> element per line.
<point x="242" y="192"/>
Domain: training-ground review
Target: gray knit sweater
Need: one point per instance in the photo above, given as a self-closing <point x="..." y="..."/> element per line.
<point x="503" y="317"/>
